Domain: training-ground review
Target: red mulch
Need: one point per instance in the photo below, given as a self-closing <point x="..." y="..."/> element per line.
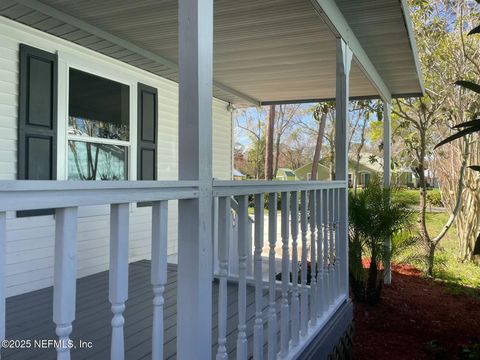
<point x="415" y="319"/>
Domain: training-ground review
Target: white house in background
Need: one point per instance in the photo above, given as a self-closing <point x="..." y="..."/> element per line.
<point x="237" y="175"/>
<point x="136" y="95"/>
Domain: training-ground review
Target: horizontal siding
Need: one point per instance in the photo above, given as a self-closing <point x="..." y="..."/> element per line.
<point x="30" y="241"/>
<point x="222" y="142"/>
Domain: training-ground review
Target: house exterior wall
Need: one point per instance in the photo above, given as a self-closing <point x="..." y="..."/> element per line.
<point x="30" y="240"/>
<point x="323" y="172"/>
<point x="302" y="173"/>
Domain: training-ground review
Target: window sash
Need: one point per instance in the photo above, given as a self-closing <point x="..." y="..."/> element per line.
<point x="99" y="140"/>
<point x="126" y="162"/>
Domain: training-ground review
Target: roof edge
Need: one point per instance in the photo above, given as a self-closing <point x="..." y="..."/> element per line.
<point x="413" y="44"/>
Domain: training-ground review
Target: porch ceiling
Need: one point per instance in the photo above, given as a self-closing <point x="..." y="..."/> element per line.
<point x="264" y="51"/>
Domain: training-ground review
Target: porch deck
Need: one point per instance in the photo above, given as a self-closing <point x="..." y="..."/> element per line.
<point x="29" y="316"/>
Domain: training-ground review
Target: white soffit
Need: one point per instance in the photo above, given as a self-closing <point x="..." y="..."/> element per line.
<point x="268" y="50"/>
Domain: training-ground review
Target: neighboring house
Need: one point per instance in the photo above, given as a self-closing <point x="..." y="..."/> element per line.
<point x="237" y="175"/>
<point x="365" y="172"/>
<point x="285" y="174"/>
<point x="409" y="178"/>
<point x="405" y="177"/>
<point x="138" y="97"/>
<point x="431" y="178"/>
<point x="304" y="173"/>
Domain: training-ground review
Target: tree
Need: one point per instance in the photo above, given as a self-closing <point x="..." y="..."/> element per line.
<point x="297" y="149"/>
<point x="250" y="127"/>
<point x="320" y="113"/>
<point x="468" y="221"/>
<point x="284" y="121"/>
<point x="239" y="161"/>
<point x="362" y="111"/>
<point x="422" y="121"/>
<point x="269" y="144"/>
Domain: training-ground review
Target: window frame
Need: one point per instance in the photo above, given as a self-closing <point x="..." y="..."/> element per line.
<point x="68" y="62"/>
<point x="96" y="140"/>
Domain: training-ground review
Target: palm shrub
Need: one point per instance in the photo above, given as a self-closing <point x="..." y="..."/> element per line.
<point x="373" y="219"/>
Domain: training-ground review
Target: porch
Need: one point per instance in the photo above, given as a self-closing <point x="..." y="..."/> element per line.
<point x="254" y="53"/>
<point x="29" y="318"/>
<point x="255" y="311"/>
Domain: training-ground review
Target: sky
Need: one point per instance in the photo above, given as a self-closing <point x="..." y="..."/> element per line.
<point x="242" y="117"/>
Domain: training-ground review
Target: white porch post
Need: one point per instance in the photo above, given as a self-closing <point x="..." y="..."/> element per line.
<point x="344" y="60"/>
<point x="195" y="243"/>
<point x="3" y="250"/>
<point x="387" y="150"/>
<point x="64" y="277"/>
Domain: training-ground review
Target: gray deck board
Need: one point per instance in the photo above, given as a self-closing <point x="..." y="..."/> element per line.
<point x="29" y="316"/>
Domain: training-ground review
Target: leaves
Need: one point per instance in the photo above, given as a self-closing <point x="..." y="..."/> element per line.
<point x="458" y="135"/>
<point x="468" y="124"/>
<point x="475" y="30"/>
<point x="476" y="249"/>
<point x="468" y="85"/>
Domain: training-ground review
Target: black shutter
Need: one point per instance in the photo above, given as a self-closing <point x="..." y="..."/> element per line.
<point x="147" y="133"/>
<point x="37" y="118"/>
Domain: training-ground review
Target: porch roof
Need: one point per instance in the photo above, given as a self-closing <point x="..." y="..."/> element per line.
<point x="264" y="51"/>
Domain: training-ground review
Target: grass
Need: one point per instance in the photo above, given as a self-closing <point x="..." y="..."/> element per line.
<point x="459" y="277"/>
<point x="411" y="196"/>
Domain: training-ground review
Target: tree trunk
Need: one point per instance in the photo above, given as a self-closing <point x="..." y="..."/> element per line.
<point x="269" y="144"/>
<point x="458" y="194"/>
<point x="359" y="154"/>
<point x="332" y="163"/>
<point x="318" y="146"/>
<point x="422" y="221"/>
<point x="430" y="258"/>
<point x="277" y="156"/>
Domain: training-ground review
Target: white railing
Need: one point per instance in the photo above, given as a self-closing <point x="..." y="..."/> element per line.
<point x="233" y="248"/>
<point x="65" y="197"/>
<point x="311" y="222"/>
<point x="308" y="298"/>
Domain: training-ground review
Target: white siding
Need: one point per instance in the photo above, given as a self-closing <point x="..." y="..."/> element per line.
<point x="30" y="240"/>
<point x="222" y="142"/>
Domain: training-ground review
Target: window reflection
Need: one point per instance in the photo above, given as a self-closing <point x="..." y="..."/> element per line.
<point x="91" y="161"/>
<point x="97" y="129"/>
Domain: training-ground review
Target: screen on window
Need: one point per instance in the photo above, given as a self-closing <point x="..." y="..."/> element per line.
<point x="98" y="127"/>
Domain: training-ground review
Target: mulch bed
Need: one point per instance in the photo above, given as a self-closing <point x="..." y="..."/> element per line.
<point x="416" y="319"/>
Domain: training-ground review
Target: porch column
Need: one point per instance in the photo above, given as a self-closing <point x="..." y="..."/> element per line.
<point x="3" y="250"/>
<point x="344" y="60"/>
<point x="387" y="150"/>
<point x="194" y="298"/>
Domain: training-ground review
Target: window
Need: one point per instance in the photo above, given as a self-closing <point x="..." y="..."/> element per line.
<point x="365" y="178"/>
<point x="98" y="128"/>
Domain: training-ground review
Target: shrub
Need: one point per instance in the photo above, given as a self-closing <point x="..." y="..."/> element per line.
<point x="434" y="198"/>
<point x="374" y="217"/>
<point x="251" y="201"/>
